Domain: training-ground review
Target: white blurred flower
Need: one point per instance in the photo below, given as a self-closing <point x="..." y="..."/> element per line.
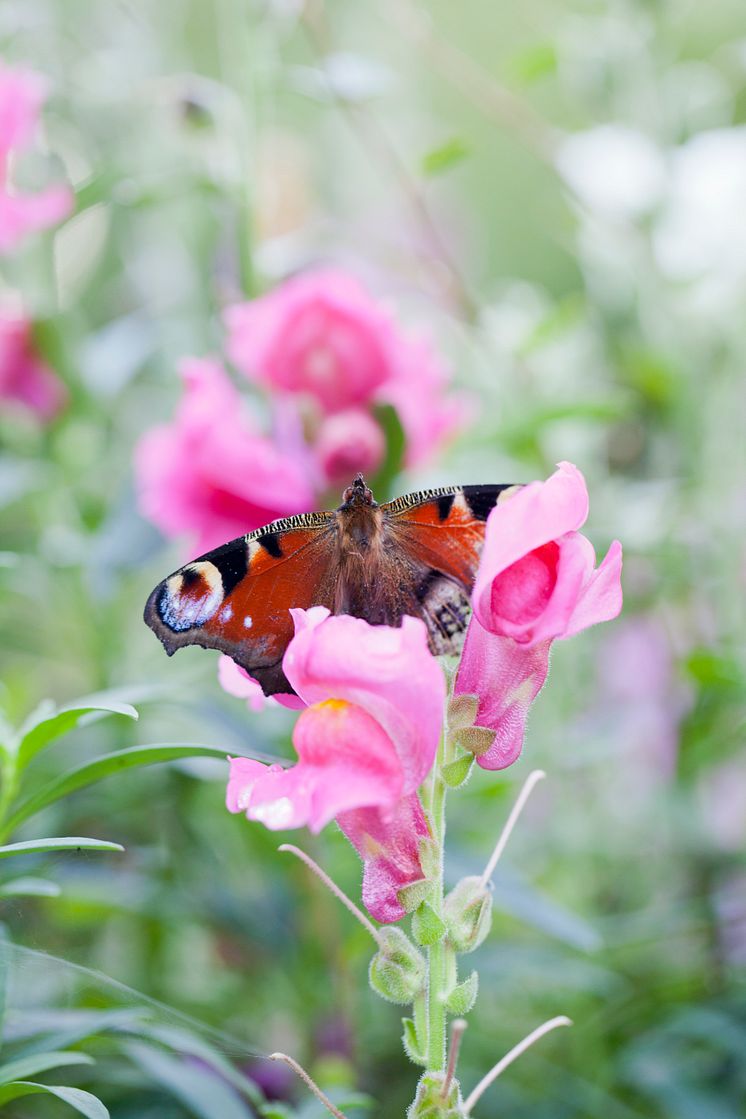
<point x="702" y="230"/>
<point x="614" y="170"/>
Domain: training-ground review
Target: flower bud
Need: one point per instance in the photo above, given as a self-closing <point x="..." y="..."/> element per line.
<point x="428" y="1103"/>
<point x="397" y="971"/>
<point x="467" y="912"/>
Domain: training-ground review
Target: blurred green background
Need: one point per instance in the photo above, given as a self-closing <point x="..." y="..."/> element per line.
<point x="557" y="190"/>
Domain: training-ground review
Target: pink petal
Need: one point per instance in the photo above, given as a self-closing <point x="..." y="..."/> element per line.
<point x="530" y="518"/>
<point x="236" y="682"/>
<point x="21" y="214"/>
<point x="24" y="378"/>
<point x="388" y="672"/>
<point x="345" y="760"/>
<point x="209" y="472"/>
<point x="535" y="598"/>
<point x="601" y="597"/>
<point x="318" y="333"/>
<point x="349" y="443"/>
<point x="507" y="677"/>
<point x="22" y="94"/>
<point x="387" y="840"/>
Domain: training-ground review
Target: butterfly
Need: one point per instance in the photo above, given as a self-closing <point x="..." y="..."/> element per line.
<point x="415" y="555"/>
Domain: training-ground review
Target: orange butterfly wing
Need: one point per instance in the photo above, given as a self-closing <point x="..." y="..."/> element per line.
<point x="442" y="532"/>
<point x="237" y="598"/>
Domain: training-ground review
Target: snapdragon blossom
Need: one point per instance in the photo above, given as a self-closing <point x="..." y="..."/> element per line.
<point x="536" y="582"/>
<point x="365" y="743"/>
<point x="210" y="472"/>
<point x="26" y="381"/>
<point x="22" y="93"/>
<point x="321" y="338"/>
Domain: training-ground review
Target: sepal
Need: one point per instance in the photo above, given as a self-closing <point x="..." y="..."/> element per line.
<point x="467" y="911"/>
<point x="412" y="1044"/>
<point x="476" y="740"/>
<point x="412" y="896"/>
<point x="455" y="774"/>
<point x="427" y="926"/>
<point x="462" y="997"/>
<point x="398" y="970"/>
<point x="462" y="711"/>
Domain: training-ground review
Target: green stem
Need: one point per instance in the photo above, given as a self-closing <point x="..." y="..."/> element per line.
<point x="436" y="957"/>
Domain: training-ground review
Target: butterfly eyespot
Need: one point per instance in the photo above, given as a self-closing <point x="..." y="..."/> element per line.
<point x="191" y="597"/>
<point x="226" y="613"/>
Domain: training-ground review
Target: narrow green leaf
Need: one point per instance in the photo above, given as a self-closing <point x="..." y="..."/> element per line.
<point x="83" y="1102"/>
<point x="29" y="888"/>
<point x="61" y="843"/>
<point x="381" y="482"/>
<point x="201" y="1090"/>
<point x="444" y="157"/>
<point x="184" y="1042"/>
<point x="90" y="772"/>
<point x="40" y="1062"/>
<point x="48" y="722"/>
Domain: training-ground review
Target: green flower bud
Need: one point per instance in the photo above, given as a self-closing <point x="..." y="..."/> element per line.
<point x="398" y="970"/>
<point x="429" y="1103"/>
<point x="467" y="912"/>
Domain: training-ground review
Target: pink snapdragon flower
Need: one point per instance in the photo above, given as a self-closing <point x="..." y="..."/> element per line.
<point x="536" y="582"/>
<point x="365" y="743"/>
<point x="22" y="93"/>
<point x="321" y="336"/>
<point x="210" y="472"/>
<point x="26" y="380"/>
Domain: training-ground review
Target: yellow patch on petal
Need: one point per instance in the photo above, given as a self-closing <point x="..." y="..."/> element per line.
<point x="331" y="705"/>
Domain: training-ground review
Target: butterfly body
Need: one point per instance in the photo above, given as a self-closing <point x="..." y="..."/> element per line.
<point x="416" y="555"/>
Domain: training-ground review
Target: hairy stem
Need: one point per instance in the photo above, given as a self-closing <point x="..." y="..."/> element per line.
<point x="437" y="967"/>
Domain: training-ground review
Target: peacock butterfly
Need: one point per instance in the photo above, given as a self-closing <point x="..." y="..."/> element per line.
<point x="416" y="555"/>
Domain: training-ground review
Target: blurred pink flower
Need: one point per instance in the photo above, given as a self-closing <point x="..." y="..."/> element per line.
<point x="349" y="443"/>
<point x="536" y="582"/>
<point x="209" y="472"/>
<point x="319" y="333"/>
<point x="365" y="743"/>
<point x="25" y="379"/>
<point x="22" y="93"/>
<point x="322" y="336"/>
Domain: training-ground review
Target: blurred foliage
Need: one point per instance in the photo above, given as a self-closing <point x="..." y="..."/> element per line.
<point x="589" y="295"/>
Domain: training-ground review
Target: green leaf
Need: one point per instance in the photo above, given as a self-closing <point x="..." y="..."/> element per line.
<point x="427" y="926"/>
<point x="412" y="895"/>
<point x="462" y="997"/>
<point x="90" y="772"/>
<point x="47" y="722"/>
<point x="40" y="1062"/>
<point x="411" y="1043"/>
<point x="184" y="1042"/>
<point x="393" y="431"/>
<point x="80" y="1101"/>
<point x="444" y="157"/>
<point x="202" y="1091"/>
<point x="62" y="843"/>
<point x="29" y="888"/>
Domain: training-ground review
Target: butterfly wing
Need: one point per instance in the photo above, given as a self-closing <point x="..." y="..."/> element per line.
<point x="441" y="533"/>
<point x="237" y="598"/>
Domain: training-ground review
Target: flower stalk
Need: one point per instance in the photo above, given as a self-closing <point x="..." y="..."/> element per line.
<point x="437" y="962"/>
